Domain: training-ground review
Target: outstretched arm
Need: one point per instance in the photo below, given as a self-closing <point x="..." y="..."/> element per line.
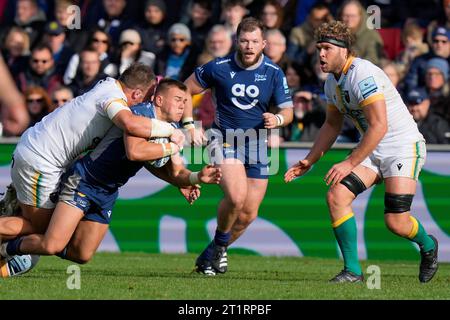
<point x="325" y="139"/>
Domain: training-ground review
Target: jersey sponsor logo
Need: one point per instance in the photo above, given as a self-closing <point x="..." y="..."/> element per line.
<point x="232" y="74"/>
<point x="285" y="85"/>
<point x="260" y="77"/>
<point x="367" y="87"/>
<point x="240" y="90"/>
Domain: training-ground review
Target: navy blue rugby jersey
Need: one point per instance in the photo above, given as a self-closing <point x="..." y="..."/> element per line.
<point x="241" y="95"/>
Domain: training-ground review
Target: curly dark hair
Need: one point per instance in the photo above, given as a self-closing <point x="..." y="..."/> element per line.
<point x="336" y="30"/>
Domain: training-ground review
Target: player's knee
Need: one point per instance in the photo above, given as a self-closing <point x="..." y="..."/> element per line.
<point x="82" y="258"/>
<point x="52" y="247"/>
<point x="397" y="203"/>
<point x="237" y="202"/>
<point x="338" y="196"/>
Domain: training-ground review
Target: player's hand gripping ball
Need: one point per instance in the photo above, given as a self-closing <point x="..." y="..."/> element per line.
<point x="158" y="163"/>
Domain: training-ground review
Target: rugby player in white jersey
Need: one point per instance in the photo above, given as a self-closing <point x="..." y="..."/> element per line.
<point x="391" y="149"/>
<point x="47" y="149"/>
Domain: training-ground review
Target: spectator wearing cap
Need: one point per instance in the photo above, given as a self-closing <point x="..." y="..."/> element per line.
<point x="31" y="19"/>
<point x="442" y="20"/>
<point x="55" y="38"/>
<point x="440" y="48"/>
<point x="40" y="71"/>
<point x="154" y="28"/>
<point x="436" y="78"/>
<point x="179" y="58"/>
<point x="131" y="51"/>
<point x="432" y="126"/>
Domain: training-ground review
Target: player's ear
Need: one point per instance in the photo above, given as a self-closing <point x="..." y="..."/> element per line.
<point x="264" y="43"/>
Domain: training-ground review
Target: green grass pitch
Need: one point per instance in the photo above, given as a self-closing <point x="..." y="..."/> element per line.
<point x="169" y="277"/>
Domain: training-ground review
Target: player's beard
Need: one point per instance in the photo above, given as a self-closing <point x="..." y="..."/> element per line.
<point x="249" y="64"/>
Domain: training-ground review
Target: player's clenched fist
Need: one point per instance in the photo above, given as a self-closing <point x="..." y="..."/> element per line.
<point x="210" y="174"/>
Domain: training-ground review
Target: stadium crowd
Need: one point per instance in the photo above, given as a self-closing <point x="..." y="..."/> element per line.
<point x="51" y="59"/>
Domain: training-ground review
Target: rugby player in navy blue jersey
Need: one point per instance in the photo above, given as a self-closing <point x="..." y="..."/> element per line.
<point x="244" y="84"/>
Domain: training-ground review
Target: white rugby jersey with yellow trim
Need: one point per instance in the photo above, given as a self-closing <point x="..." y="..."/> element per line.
<point x="362" y="83"/>
<point x="75" y="127"/>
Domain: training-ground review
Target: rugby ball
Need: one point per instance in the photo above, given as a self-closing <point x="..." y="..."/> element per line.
<point x="158" y="163"/>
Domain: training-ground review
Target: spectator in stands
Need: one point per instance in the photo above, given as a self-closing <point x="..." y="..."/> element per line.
<point x="301" y="39"/>
<point x="55" y="37"/>
<point x="31" y="19"/>
<point x="16" y="49"/>
<point x="99" y="41"/>
<point x="442" y="21"/>
<point x="61" y="95"/>
<point x="233" y="12"/>
<point x="436" y="78"/>
<point x="295" y="76"/>
<point x="131" y="51"/>
<point x="40" y="71"/>
<point x="276" y="48"/>
<point x="89" y="73"/>
<point x="76" y="38"/>
<point x="412" y="38"/>
<point x="14" y="115"/>
<point x="218" y="44"/>
<point x="38" y="104"/>
<point x="440" y="48"/>
<point x="394" y="73"/>
<point x="309" y="116"/>
<point x="199" y="23"/>
<point x="179" y="58"/>
<point x="432" y="126"/>
<point x="114" y="19"/>
<point x="272" y="15"/>
<point x="154" y="29"/>
<point x="368" y="44"/>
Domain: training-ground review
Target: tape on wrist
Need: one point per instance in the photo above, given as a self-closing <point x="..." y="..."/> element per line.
<point x="188" y="123"/>
<point x="161" y="129"/>
<point x="280" y="120"/>
<point x="193" y="178"/>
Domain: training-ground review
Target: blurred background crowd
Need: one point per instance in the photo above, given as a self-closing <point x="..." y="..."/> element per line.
<point x="46" y="60"/>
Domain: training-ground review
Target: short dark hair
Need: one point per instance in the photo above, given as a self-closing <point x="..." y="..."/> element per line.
<point x="167" y="83"/>
<point x="250" y="24"/>
<point x="137" y="75"/>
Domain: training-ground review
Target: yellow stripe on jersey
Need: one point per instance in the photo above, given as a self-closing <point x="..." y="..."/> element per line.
<point x="347" y="64"/>
<point x="35" y="188"/>
<point x="340" y="221"/>
<point x="121" y="101"/>
<point x="371" y="99"/>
